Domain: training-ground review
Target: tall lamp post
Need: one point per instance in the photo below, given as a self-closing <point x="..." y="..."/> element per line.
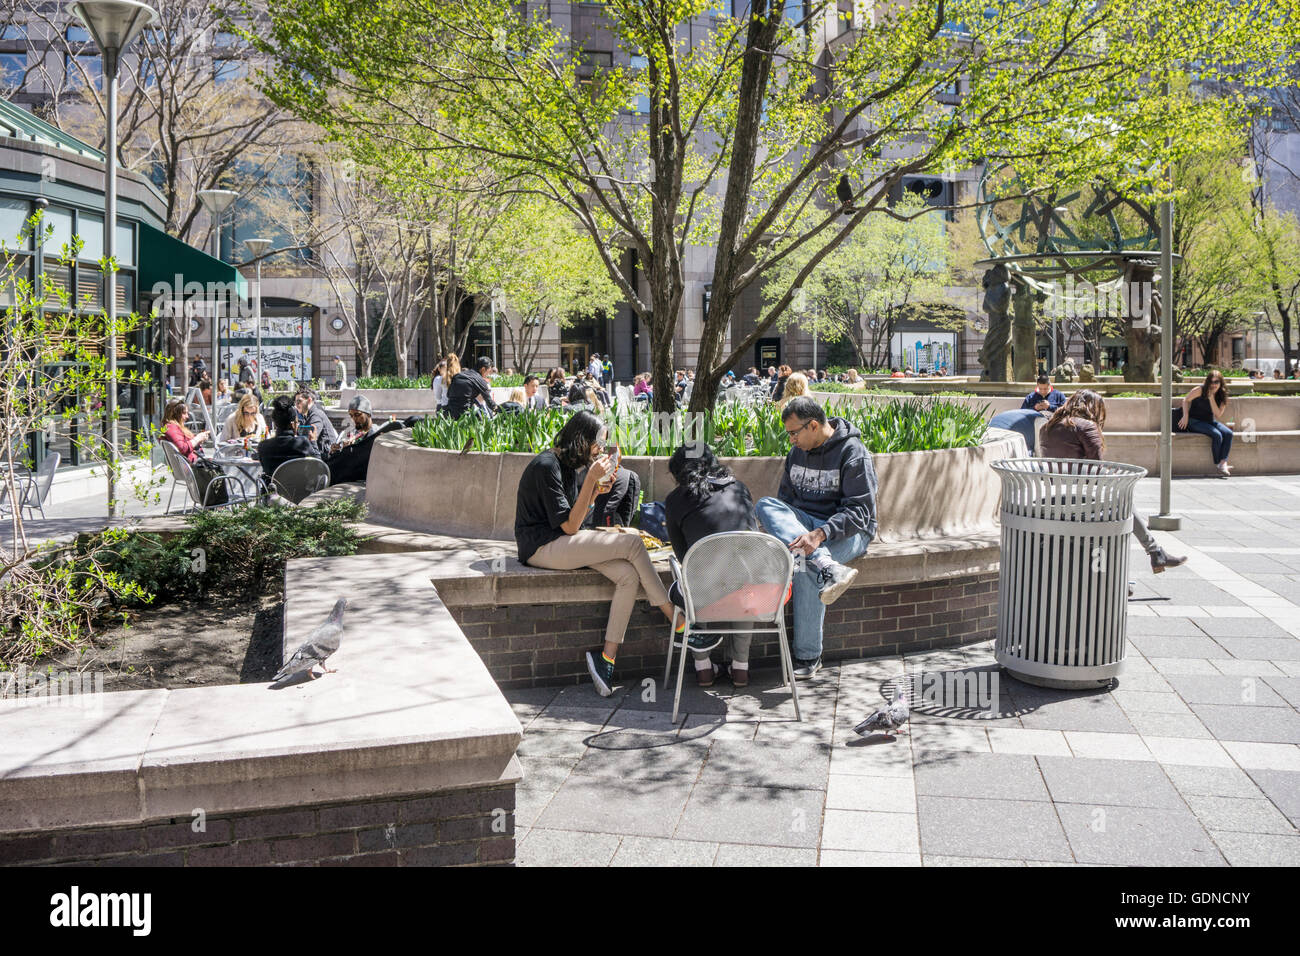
<point x="496" y="294"/>
<point x="216" y="202"/>
<point x="113" y="25"/>
<point x="1166" y="520"/>
<point x="258" y="248"/>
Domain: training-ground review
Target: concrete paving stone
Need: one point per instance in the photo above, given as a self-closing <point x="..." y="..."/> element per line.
<point x="1138" y="836"/>
<point x="1167" y="666"/>
<point x="858" y="858"/>
<point x="738" y="854"/>
<point x="846" y="791"/>
<point x="1250" y="722"/>
<point x="566" y="848"/>
<point x="1230" y="781"/>
<point x="870" y="831"/>
<point x="736" y="763"/>
<point x="1003" y="829"/>
<point x="529" y="805"/>
<point x="1283" y="788"/>
<point x="874" y="757"/>
<point x="1235" y="667"/>
<point x="753" y="815"/>
<point x="1121" y="783"/>
<point x="950" y="736"/>
<point x="1259" y="849"/>
<point x="1085" y="743"/>
<point x="553" y="744"/>
<point x="655" y="851"/>
<point x="1153" y="702"/>
<point x="1239" y="627"/>
<point x="546" y="773"/>
<point x="1257" y="756"/>
<point x="528" y="702"/>
<point x="583" y="695"/>
<point x="1010" y="740"/>
<point x="1289" y="668"/>
<point x="1236" y="814"/>
<point x="1202" y="752"/>
<point x="1231" y="690"/>
<point x="1272" y="649"/>
<point x="680" y="761"/>
<point x="933" y="860"/>
<point x="795" y="732"/>
<point x="1168" y="725"/>
<point x="660" y="721"/>
<point x="709" y="729"/>
<point x="695" y="699"/>
<point x="632" y="807"/>
<point x="571" y="719"/>
<point x="1146" y="680"/>
<point x="1288" y="688"/>
<point x="1190" y="644"/>
<point x="986" y="775"/>
<point x="1143" y="627"/>
<point x="1095" y="712"/>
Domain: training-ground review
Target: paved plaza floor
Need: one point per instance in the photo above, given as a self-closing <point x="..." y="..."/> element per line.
<point x="1192" y="757"/>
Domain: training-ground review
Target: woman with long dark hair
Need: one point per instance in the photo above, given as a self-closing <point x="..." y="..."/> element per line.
<point x="1203" y="411"/>
<point x="549" y="513"/>
<point x="1074" y="431"/>
<point x="708" y="500"/>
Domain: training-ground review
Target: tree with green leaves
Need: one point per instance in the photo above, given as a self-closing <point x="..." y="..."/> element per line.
<point x="737" y="142"/>
<point x="545" y="270"/>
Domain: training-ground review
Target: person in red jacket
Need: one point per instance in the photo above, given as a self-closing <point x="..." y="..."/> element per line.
<point x="190" y="445"/>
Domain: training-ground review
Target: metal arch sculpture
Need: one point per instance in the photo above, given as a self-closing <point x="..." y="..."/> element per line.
<point x="1110" y="240"/>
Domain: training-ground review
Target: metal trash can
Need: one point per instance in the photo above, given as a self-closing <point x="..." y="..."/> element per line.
<point x="1063" y="579"/>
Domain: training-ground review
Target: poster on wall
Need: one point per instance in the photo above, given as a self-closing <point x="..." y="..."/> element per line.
<point x="282" y="361"/>
<point x="924" y="351"/>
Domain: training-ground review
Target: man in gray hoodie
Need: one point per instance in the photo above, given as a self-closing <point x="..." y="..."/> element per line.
<point x="824" y="511"/>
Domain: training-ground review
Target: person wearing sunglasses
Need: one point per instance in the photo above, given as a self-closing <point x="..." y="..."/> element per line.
<point x="1202" y="412"/>
<point x="825" y="511"/>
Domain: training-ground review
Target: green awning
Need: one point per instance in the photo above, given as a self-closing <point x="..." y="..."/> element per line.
<point x="167" y="261"/>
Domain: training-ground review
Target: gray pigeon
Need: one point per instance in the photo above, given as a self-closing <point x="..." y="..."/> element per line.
<point x="886" y="719"/>
<point x="323" y="642"/>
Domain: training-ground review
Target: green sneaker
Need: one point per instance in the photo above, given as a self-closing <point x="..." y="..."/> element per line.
<point x="602" y="673"/>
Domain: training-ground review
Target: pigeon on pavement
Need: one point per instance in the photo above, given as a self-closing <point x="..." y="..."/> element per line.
<point x="886" y="719"/>
<point x="322" y="642"/>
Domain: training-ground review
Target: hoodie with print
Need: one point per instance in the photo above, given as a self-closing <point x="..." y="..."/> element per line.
<point x="835" y="483"/>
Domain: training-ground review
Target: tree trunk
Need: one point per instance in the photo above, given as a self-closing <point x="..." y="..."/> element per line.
<point x="1140" y="301"/>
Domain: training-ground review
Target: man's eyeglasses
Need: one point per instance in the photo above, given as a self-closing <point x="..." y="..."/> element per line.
<point x="792" y="435"/>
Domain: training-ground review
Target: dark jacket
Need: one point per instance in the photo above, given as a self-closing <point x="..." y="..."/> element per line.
<point x="1055" y="399"/>
<point x="728" y="507"/>
<point x="465" y="387"/>
<point x="274" y="452"/>
<point x="835" y="483"/>
<point x="1071" y="438"/>
<point x="327" y="435"/>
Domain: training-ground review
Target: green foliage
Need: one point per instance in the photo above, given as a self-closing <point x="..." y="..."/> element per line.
<point x="732" y="430"/>
<point x="393" y="381"/>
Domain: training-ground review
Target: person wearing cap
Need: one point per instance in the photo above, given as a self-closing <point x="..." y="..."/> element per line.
<point x="361" y="412"/>
<point x="469" y="387"/>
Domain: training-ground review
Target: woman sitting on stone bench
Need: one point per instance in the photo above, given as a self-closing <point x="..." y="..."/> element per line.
<point x="549" y="513"/>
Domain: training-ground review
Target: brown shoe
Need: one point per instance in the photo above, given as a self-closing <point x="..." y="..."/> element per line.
<point x="706" y="677"/>
<point x="739" y="676"/>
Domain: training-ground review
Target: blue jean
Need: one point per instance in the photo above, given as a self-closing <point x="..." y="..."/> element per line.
<point x="786" y="523"/>
<point x="1220" y="436"/>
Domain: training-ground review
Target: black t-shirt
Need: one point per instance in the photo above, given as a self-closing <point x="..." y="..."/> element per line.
<point x="728" y="508"/>
<point x="285" y="446"/>
<point x="547" y="491"/>
<point x="465" y="387"/>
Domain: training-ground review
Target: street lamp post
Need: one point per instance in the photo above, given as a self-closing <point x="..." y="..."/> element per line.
<point x="113" y="25"/>
<point x="216" y="202"/>
<point x="496" y="294"/>
<point x="1166" y="520"/>
<point x="258" y="248"/>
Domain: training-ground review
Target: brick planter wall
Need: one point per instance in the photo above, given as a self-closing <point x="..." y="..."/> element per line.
<point x="454" y="828"/>
<point x="531" y="645"/>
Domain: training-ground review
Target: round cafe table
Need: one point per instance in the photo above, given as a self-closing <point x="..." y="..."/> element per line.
<point x="246" y="470"/>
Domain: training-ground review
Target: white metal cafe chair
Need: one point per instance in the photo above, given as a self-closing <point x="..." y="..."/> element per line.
<point x="731" y="578"/>
<point x="184" y="475"/>
<point x="299" y="477"/>
<point x="32" y="488"/>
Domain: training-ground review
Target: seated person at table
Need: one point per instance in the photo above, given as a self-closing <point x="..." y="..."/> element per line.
<point x="362" y="424"/>
<point x="286" y="444"/>
<point x="469" y="390"/>
<point x="708" y="500"/>
<point x="549" y="511"/>
<point x="190" y="446"/>
<point x="316" y="425"/>
<point x="1044" y="398"/>
<point x="246" y="422"/>
<point x="518" y="401"/>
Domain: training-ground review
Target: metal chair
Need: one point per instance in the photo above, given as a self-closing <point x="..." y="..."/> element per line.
<point x="184" y="475"/>
<point x="732" y="577"/>
<point x="300" y="477"/>
<point x="32" y="488"/>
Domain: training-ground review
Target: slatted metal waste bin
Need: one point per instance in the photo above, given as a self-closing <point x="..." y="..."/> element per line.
<point x="1063" y="583"/>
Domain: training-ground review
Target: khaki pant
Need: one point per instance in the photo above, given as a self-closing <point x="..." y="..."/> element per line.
<point x="620" y="557"/>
